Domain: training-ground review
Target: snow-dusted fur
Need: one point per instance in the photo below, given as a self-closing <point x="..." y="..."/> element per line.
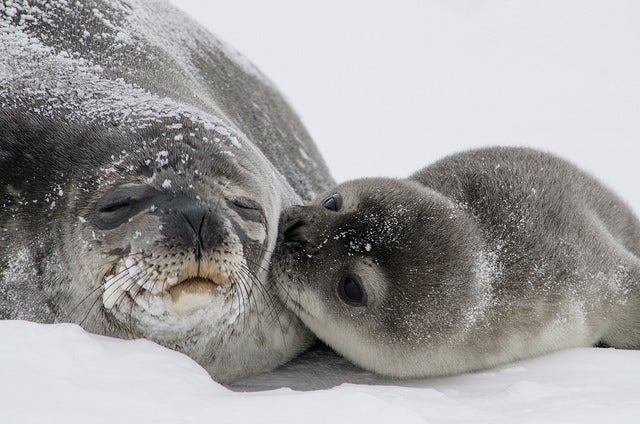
<point x="138" y="152"/>
<point x="480" y="259"/>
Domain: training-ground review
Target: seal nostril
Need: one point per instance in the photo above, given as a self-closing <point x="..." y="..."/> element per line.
<point x="192" y="227"/>
<point x="291" y="227"/>
<point x="292" y="238"/>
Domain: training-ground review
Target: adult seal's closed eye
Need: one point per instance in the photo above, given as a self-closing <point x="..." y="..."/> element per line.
<point x="483" y="258"/>
<point x="143" y="169"/>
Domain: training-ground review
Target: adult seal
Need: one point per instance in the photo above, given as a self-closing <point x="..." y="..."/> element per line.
<point x="143" y="169"/>
<point x="483" y="258"/>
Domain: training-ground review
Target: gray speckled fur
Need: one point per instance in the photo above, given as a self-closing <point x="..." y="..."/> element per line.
<point x="97" y="94"/>
<point x="482" y="258"/>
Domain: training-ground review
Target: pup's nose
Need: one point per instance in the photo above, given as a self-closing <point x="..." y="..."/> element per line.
<point x="291" y="237"/>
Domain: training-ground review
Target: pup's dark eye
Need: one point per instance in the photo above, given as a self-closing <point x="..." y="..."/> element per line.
<point x="333" y="203"/>
<point x="351" y="290"/>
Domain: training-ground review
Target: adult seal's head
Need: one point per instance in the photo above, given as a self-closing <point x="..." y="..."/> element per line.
<point x="482" y="258"/>
<point x="143" y="169"/>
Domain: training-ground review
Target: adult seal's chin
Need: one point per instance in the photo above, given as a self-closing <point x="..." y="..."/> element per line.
<point x="142" y="175"/>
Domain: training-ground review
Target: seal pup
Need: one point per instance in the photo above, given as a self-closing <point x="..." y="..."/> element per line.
<point x="482" y="258"/>
<point x="143" y="168"/>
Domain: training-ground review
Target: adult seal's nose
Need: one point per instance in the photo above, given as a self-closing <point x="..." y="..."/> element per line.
<point x="193" y="225"/>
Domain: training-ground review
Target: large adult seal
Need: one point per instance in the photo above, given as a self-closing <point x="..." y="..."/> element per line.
<point x="483" y="258"/>
<point x="143" y="169"/>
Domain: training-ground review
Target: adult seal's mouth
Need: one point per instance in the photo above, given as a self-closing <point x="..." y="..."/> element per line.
<point x="194" y="293"/>
<point x="195" y="286"/>
<point x="137" y="281"/>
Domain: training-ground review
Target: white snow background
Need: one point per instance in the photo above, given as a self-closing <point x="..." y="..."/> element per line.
<point x="386" y="88"/>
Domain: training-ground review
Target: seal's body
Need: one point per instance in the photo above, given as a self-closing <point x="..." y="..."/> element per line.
<point x="483" y="258"/>
<point x="143" y="169"/>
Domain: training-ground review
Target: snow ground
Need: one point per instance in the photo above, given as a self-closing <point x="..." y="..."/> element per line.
<point x="428" y="79"/>
<point x="61" y="374"/>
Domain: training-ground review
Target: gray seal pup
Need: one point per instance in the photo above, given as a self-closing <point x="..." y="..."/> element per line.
<point x="143" y="169"/>
<point x="480" y="259"/>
